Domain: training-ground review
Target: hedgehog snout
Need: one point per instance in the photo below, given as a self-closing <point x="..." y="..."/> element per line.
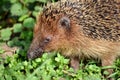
<point x="32" y="54"/>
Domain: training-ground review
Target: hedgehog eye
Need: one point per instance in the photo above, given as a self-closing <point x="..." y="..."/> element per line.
<point x="47" y="39"/>
<point x="65" y="22"/>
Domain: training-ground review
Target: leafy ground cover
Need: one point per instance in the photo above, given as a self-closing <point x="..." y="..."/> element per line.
<point x="17" y="18"/>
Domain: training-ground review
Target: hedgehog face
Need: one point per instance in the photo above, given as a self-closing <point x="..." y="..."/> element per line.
<point x="50" y="35"/>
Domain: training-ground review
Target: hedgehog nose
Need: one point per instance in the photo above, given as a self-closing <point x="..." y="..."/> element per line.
<point x="30" y="55"/>
<point x="34" y="53"/>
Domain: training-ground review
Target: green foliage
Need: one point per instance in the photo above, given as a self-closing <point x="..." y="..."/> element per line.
<point x="1" y="51"/>
<point x="17" y="19"/>
<point x="5" y="34"/>
<point x="17" y="27"/>
<point x="18" y="10"/>
<point x="48" y="67"/>
<point x="29" y="23"/>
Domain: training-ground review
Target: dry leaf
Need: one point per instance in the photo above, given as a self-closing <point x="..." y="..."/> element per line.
<point x="8" y="51"/>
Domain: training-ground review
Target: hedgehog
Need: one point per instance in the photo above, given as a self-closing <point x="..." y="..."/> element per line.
<point x="78" y="29"/>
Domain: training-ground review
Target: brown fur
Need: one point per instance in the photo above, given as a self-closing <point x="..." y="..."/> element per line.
<point x="94" y="30"/>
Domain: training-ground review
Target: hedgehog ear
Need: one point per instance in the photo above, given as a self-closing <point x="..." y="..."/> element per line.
<point x="65" y="22"/>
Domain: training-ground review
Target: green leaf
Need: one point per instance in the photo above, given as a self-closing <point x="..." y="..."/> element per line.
<point x="25" y="63"/>
<point x="18" y="10"/>
<point x="29" y="23"/>
<point x="35" y="13"/>
<point x="1" y="70"/>
<point x="26" y="35"/>
<point x="5" y="34"/>
<point x="34" y="78"/>
<point x="92" y="77"/>
<point x="17" y="27"/>
<point x="23" y="17"/>
<point x="13" y="1"/>
<point x="8" y="77"/>
<point x="43" y="1"/>
<point x="38" y="60"/>
<point x="29" y="1"/>
<point x="38" y="8"/>
<point x="2" y="51"/>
